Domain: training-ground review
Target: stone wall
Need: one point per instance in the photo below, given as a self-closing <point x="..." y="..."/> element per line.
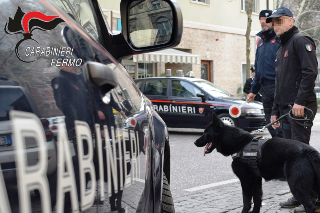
<point x="225" y="51"/>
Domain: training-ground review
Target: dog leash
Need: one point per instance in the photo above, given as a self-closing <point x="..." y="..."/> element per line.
<point x="307" y="121"/>
<point x="270" y="124"/>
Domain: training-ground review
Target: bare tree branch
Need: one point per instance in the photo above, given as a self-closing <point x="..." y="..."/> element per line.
<point x="313" y="28"/>
<point x="315" y="39"/>
<point x="280" y="4"/>
<point x="315" y="32"/>
<point x="300" y="11"/>
<point x="309" y="11"/>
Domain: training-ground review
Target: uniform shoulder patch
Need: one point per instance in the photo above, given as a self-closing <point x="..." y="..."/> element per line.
<point x="309" y="47"/>
<point x="258" y="39"/>
<point x="56" y="86"/>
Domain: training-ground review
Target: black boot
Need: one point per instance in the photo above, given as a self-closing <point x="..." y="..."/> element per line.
<point x="119" y="199"/>
<point x="112" y="201"/>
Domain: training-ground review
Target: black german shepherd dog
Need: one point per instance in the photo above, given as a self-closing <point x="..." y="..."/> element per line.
<point x="280" y="158"/>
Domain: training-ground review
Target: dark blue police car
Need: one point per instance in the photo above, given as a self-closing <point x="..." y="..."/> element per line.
<point x="62" y="57"/>
<point x="185" y="102"/>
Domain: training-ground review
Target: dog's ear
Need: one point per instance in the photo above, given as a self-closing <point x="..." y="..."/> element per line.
<point x="216" y="121"/>
<point x="214" y="117"/>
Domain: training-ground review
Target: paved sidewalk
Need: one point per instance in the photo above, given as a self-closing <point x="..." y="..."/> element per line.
<point x="228" y="198"/>
<point x="130" y="200"/>
<point x="225" y="198"/>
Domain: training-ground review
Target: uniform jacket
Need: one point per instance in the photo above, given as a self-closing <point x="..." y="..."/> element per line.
<point x="267" y="48"/>
<point x="297" y="69"/>
<point x="71" y="96"/>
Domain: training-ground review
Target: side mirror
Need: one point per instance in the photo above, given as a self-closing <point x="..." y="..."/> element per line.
<point x="148" y="25"/>
<point x="202" y="96"/>
<point x="101" y="76"/>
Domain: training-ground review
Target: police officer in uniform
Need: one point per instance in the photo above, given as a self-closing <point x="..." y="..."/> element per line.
<point x="267" y="48"/>
<point x="72" y="98"/>
<point x="297" y="69"/>
<point x="247" y="85"/>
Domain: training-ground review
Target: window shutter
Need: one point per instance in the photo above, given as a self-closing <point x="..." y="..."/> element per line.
<point x="208" y="1"/>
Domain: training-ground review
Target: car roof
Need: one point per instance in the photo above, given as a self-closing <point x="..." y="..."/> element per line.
<point x="174" y="77"/>
<point x="6" y="82"/>
<point x="26" y="93"/>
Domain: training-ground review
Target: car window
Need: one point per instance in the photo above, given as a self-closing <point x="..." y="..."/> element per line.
<point x="126" y="93"/>
<point x="12" y="99"/>
<point x="83" y="13"/>
<point x="212" y="89"/>
<point x="184" y="89"/>
<point x="155" y="87"/>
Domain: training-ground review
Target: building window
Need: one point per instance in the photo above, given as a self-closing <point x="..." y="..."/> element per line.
<point x="201" y="1"/>
<point x="145" y="70"/>
<point x="91" y="30"/>
<point x="156" y="5"/>
<point x="255" y="7"/>
<point x="164" y="26"/>
<point x="244" y="72"/>
<point x="132" y="25"/>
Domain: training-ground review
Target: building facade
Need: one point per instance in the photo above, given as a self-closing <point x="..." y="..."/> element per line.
<point x="214" y="31"/>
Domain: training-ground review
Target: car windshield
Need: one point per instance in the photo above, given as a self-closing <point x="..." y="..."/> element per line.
<point x="212" y="89"/>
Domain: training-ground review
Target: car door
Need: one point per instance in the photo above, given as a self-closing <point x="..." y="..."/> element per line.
<point x="157" y="91"/>
<point x="186" y="108"/>
<point x="98" y="138"/>
<point x="63" y="55"/>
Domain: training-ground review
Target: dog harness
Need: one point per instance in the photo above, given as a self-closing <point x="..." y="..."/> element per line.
<point x="252" y="152"/>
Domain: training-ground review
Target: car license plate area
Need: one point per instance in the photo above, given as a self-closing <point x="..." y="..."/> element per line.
<point x="5" y="140"/>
